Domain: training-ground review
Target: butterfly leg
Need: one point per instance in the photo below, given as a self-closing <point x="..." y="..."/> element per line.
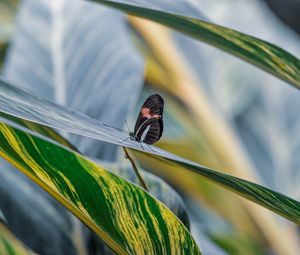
<point x="142" y="146"/>
<point x="124" y="140"/>
<point x="151" y="148"/>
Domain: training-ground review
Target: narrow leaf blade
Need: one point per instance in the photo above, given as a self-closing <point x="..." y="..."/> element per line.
<point x="264" y="55"/>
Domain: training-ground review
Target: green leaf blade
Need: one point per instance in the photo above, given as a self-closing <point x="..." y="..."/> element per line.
<point x="18" y="103"/>
<point x="264" y="55"/>
<point x="122" y="214"/>
<point x="279" y="203"/>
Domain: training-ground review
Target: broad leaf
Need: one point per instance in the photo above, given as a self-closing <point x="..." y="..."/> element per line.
<point x="60" y="52"/>
<point x="21" y="104"/>
<point x="34" y="216"/>
<point x="43" y="130"/>
<point x="124" y="216"/>
<point x="157" y="188"/>
<point x="265" y="55"/>
<point x="54" y="227"/>
<point x="76" y="53"/>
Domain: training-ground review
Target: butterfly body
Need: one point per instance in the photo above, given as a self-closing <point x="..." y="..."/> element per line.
<point x="149" y="124"/>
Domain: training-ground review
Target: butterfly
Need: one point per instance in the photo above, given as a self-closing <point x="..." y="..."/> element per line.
<point x="149" y="124"/>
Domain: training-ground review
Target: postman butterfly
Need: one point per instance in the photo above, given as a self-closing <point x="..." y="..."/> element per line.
<point x="149" y="124"/>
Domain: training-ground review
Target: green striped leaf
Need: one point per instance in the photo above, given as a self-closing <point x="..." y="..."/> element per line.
<point x="156" y="186"/>
<point x="124" y="216"/>
<point x="16" y="102"/>
<point x="43" y="130"/>
<point x="279" y="203"/>
<point x="264" y="55"/>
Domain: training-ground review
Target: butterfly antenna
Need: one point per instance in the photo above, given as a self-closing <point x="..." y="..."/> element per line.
<point x="114" y="127"/>
<point x="124" y="140"/>
<point x="127" y="125"/>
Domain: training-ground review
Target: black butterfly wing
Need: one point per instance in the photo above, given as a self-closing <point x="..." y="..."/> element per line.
<point x="154" y="131"/>
<point x="149" y="124"/>
<point x="150" y="131"/>
<point x="155" y="103"/>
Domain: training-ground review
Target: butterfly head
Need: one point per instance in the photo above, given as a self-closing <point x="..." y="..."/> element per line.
<point x="132" y="136"/>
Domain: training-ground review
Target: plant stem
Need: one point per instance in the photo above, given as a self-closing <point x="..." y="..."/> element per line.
<point x="142" y="182"/>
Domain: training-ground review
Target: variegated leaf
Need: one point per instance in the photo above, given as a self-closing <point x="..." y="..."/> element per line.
<point x="21" y="104"/>
<point x="124" y="216"/>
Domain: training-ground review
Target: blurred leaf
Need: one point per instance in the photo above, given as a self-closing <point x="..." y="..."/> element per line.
<point x="35" y="217"/>
<point x="8" y="10"/>
<point x="9" y="244"/>
<point x="241" y="246"/>
<point x="189" y="142"/>
<point x="2" y="218"/>
<point x="3" y="48"/>
<point x="186" y="7"/>
<point x="195" y="95"/>
<point x="205" y="220"/>
<point x="197" y="187"/>
<point x="7" y="13"/>
<point x="263" y="116"/>
<point x="253" y="50"/>
<point x="58" y="48"/>
<point x="76" y="54"/>
<point x="21" y="104"/>
<point x="123" y="215"/>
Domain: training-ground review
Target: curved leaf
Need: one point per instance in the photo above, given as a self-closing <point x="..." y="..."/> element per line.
<point x="9" y="244"/>
<point x="157" y="188"/>
<point x="88" y="66"/>
<point x="7" y="13"/>
<point x="21" y="104"/>
<point x="36" y="218"/>
<point x="120" y="213"/>
<point x="43" y="130"/>
<point x="76" y="53"/>
<point x="53" y="229"/>
<point x="265" y="55"/>
<point x="204" y="114"/>
<point x="281" y="204"/>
